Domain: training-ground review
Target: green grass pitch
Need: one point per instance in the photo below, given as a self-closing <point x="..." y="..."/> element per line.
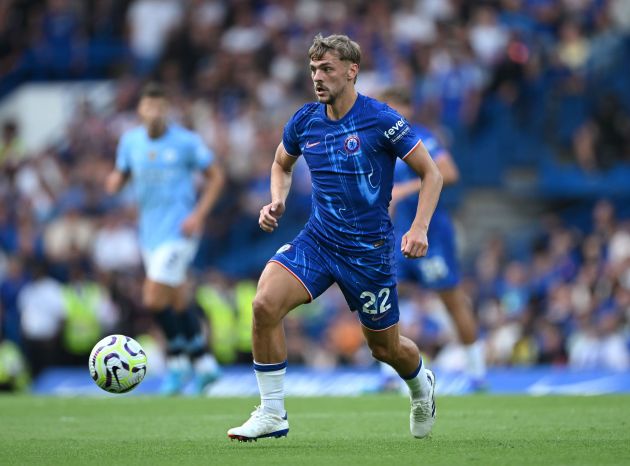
<point x="369" y="430"/>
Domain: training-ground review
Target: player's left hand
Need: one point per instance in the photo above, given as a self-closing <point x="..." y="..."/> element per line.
<point x="414" y="243"/>
<point x="192" y="225"/>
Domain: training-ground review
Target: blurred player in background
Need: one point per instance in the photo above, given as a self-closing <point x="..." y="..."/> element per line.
<point x="438" y="270"/>
<point x="350" y="143"/>
<point x="160" y="158"/>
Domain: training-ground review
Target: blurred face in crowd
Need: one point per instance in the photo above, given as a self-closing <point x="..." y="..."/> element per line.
<point x="332" y="77"/>
<point x="152" y="111"/>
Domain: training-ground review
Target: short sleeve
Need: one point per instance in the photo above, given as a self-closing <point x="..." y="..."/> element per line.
<point x="290" y="137"/>
<point x="123" y="155"/>
<point x="201" y="156"/>
<point x="399" y="137"/>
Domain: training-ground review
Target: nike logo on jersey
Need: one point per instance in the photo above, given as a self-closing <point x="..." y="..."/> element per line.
<point x="312" y="144"/>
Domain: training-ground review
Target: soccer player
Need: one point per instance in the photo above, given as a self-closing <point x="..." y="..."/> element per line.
<point x="160" y="158"/>
<point x="350" y="143"/>
<point x="438" y="270"/>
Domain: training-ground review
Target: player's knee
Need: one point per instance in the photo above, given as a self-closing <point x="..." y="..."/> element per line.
<point x="153" y="301"/>
<point x="266" y="311"/>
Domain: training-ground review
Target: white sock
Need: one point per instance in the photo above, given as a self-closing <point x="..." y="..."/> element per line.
<point x="271" y="386"/>
<point x="205" y="364"/>
<point x="178" y="363"/>
<point x="419" y="386"/>
<point x="476" y="361"/>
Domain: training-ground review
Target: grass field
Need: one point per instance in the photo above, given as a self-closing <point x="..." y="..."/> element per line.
<point x="370" y="430"/>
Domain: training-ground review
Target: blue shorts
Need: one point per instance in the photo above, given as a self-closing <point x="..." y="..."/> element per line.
<point x="368" y="282"/>
<point x="438" y="270"/>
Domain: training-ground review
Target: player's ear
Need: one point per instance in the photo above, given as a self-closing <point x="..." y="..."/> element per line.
<point x="352" y="72"/>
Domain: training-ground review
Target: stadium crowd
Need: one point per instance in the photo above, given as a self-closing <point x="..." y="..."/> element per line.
<point x="504" y="83"/>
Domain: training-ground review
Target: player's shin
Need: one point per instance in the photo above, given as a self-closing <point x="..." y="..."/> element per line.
<point x="204" y="364"/>
<point x="270" y="379"/>
<point x="167" y="320"/>
<point x="177" y="363"/>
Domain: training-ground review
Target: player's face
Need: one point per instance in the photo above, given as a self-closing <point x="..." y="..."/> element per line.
<point x="331" y="77"/>
<point x="152" y="111"/>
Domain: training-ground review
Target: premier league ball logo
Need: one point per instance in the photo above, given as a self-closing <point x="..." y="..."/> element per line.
<point x="352" y="144"/>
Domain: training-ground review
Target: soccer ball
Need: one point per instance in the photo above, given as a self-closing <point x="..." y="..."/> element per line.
<point x="118" y="364"/>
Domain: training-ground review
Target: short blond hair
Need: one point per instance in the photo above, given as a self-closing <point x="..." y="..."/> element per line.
<point x="344" y="47"/>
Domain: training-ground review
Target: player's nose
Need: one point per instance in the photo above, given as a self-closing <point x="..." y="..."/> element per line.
<point x="317" y="76"/>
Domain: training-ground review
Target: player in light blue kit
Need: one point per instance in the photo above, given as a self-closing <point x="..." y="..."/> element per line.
<point x="438" y="270"/>
<point x="160" y="158"/>
<point x="350" y="143"/>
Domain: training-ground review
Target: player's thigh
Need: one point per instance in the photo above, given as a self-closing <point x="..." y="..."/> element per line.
<point x="278" y="292"/>
<point x="295" y="275"/>
<point x="157" y="296"/>
<point x="166" y="269"/>
<point x="369" y="285"/>
<point x="169" y="262"/>
<point x="182" y="296"/>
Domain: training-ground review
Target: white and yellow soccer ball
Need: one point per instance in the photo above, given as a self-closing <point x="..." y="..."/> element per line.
<point x="118" y="364"/>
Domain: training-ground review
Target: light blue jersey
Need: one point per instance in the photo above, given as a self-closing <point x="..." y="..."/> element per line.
<point x="162" y="176"/>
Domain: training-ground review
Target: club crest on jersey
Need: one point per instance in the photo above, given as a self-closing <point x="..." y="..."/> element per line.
<point x="152" y="155"/>
<point x="352" y="144"/>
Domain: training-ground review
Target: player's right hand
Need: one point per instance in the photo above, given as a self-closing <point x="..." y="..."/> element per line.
<point x="114" y="182"/>
<point x="269" y="216"/>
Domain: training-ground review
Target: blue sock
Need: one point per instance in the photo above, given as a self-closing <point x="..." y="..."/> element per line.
<point x="167" y="321"/>
<point x="190" y="323"/>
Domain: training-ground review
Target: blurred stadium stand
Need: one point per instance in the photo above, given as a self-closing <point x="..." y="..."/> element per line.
<point x="531" y="96"/>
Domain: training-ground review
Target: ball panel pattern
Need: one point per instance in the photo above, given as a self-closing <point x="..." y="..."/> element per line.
<point x="117" y="364"/>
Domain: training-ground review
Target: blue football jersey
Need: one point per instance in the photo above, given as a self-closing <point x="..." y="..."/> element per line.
<point x="406" y="208"/>
<point x="351" y="161"/>
<point x="162" y="177"/>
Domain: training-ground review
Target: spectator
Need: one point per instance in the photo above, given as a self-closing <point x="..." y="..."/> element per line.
<point x="41" y="308"/>
<point x="11" y="147"/>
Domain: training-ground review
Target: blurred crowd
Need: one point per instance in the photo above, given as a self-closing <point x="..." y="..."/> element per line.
<point x="501" y="82"/>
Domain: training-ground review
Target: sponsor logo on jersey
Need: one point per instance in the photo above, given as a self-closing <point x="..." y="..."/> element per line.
<point x="352" y="144"/>
<point x="394" y="132"/>
<point x="312" y="144"/>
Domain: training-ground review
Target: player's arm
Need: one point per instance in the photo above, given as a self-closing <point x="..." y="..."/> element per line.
<point x="448" y="170"/>
<point x="415" y="242"/>
<point x="213" y="184"/>
<point x="122" y="170"/>
<point x="115" y="181"/>
<point x="281" y="176"/>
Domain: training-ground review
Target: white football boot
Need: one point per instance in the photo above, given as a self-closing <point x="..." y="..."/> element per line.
<point x="422" y="415"/>
<point x="261" y="424"/>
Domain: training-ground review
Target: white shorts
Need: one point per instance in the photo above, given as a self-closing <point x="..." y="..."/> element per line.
<point x="168" y="263"/>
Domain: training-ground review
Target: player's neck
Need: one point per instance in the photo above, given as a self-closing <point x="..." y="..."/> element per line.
<point x="342" y="105"/>
<point x="156" y="132"/>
